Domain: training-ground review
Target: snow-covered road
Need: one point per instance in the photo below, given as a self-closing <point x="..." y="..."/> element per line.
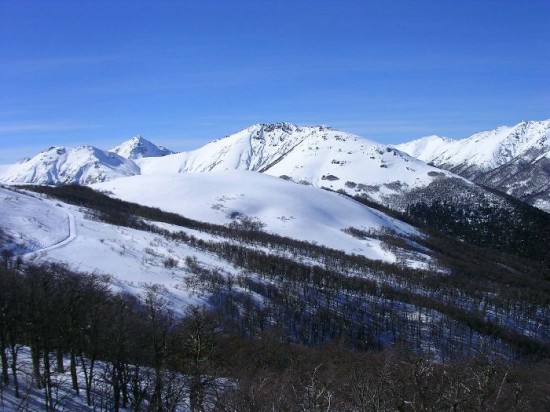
<point x="72" y="236"/>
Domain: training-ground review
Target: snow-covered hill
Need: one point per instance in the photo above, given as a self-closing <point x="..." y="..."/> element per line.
<point x="137" y="147"/>
<point x="513" y="159"/>
<point x="45" y="229"/>
<point x="59" y="165"/>
<point x="280" y="207"/>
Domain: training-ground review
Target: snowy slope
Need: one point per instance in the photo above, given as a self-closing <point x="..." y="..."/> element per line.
<point x="48" y="230"/>
<point x="138" y="147"/>
<point x="82" y="165"/>
<point x="296" y="211"/>
<point x="254" y="148"/>
<point x="514" y="159"/>
<point x="426" y="148"/>
<point x="319" y="156"/>
<point x="29" y="224"/>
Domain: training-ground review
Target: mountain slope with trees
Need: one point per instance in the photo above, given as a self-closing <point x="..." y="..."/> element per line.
<point x="514" y="160"/>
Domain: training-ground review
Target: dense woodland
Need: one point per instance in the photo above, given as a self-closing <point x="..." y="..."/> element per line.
<point x="482" y="217"/>
<point x="343" y="333"/>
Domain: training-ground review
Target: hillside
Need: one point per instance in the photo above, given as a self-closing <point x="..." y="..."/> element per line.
<point x="258" y="289"/>
<point x="270" y="204"/>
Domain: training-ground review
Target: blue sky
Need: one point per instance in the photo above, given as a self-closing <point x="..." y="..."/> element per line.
<point x="182" y="73"/>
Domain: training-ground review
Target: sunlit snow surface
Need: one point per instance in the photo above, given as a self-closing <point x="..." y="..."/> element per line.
<point x="320" y="156"/>
<point x="138" y="147"/>
<point x="82" y="165"/>
<point x="284" y="208"/>
<point x="485" y="150"/>
<point x="514" y="160"/>
<point x="31" y="224"/>
<point x="56" y="232"/>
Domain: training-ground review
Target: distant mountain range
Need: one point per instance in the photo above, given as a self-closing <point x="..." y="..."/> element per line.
<point x="318" y="156"/>
<point x="514" y="160"/>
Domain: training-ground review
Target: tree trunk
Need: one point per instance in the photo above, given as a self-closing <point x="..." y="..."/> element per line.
<point x="59" y="358"/>
<point x="124" y="385"/>
<point x="13" y="350"/>
<point x="88" y="377"/>
<point x="74" y="376"/>
<point x="35" y="355"/>
<point x="48" y="382"/>
<point x="116" y="389"/>
<point x="5" y="376"/>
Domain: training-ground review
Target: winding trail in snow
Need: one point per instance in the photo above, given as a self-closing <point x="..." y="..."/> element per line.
<point x="72" y="236"/>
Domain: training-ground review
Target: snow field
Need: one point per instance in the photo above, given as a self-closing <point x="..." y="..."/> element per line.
<point x="282" y="207"/>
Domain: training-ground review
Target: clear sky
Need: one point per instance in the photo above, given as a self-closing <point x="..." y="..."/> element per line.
<point x="182" y="73"/>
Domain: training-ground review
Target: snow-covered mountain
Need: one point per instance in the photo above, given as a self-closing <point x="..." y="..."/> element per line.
<point x="513" y="159"/>
<point x="137" y="147"/>
<point x="319" y="156"/>
<point x="59" y="165"/>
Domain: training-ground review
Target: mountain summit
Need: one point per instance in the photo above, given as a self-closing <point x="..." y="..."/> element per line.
<point x="318" y="155"/>
<point x="137" y="147"/>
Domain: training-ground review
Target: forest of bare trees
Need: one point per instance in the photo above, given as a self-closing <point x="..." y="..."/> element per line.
<point x="136" y="353"/>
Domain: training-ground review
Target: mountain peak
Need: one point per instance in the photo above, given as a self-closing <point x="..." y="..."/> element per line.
<point x="137" y="147"/>
<point x="285" y="127"/>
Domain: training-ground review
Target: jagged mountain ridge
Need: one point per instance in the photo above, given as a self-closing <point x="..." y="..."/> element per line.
<point x="515" y="159"/>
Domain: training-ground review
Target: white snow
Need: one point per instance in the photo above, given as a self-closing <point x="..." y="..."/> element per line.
<point x="316" y="155"/>
<point x="49" y="230"/>
<point x="285" y="208"/>
<point x="31" y="224"/>
<point x="82" y="165"/>
<point x="485" y="150"/>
